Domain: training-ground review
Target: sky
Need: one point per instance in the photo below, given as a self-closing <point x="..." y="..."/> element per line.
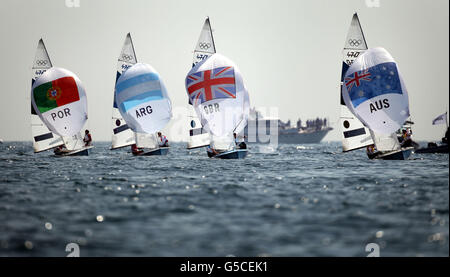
<point x="288" y="51"/>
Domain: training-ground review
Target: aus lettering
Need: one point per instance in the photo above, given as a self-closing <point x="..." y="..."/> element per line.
<point x="211" y="108"/>
<point x="144" y="111"/>
<point x="379" y="105"/>
<point x="61" y="114"/>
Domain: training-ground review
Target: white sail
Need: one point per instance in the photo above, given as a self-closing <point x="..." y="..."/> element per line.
<point x="217" y="92"/>
<point x="205" y="46"/>
<point x="375" y="93"/>
<point x="142" y="99"/>
<point x="122" y="135"/>
<point x="74" y="142"/>
<point x="354" y="134"/>
<point x="199" y="137"/>
<point x="43" y="138"/>
<point x="149" y="141"/>
<point x="59" y="98"/>
<point x="385" y="143"/>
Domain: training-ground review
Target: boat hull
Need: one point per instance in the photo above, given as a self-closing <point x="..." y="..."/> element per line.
<point x="156" y="152"/>
<point x="75" y="153"/>
<point x="232" y="155"/>
<point x="433" y="150"/>
<point x="402" y="154"/>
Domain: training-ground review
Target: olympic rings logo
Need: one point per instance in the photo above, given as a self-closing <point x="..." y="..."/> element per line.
<point x="204" y="45"/>
<point x="127" y="57"/>
<point x="354" y="42"/>
<point x="41" y="62"/>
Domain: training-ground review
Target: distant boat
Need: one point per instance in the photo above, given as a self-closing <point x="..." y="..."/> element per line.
<point x="144" y="104"/>
<point x="51" y="124"/>
<point x="199" y="137"/>
<point x="122" y="135"/>
<point x="433" y="147"/>
<point x="1" y="141"/>
<point x="218" y="94"/>
<point x="375" y="93"/>
<point x="259" y="131"/>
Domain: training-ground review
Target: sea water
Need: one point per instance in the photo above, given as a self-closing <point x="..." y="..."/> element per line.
<point x="296" y="200"/>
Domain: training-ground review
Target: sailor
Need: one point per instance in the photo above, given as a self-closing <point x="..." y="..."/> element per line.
<point x="135" y="149"/>
<point x="87" y="138"/>
<point x="211" y="151"/>
<point x="406" y="138"/>
<point x="163" y="142"/>
<point x="371" y="151"/>
<point x="60" y="149"/>
<point x="240" y="145"/>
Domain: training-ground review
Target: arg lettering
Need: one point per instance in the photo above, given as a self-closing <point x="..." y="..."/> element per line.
<point x="379" y="105"/>
<point x="61" y="114"/>
<point x="144" y="111"/>
<point x="211" y="108"/>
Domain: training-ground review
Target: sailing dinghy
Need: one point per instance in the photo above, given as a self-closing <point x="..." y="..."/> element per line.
<point x="375" y="93"/>
<point x="144" y="104"/>
<point x="218" y="94"/>
<point x="51" y="108"/>
<point x="198" y="136"/>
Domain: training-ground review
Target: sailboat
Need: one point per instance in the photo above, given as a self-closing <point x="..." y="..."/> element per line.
<point x="217" y="92"/>
<point x="45" y="136"/>
<point x="375" y="93"/>
<point x="198" y="136"/>
<point x="354" y="134"/>
<point x="144" y="104"/>
<point x="122" y="135"/>
<point x="433" y="147"/>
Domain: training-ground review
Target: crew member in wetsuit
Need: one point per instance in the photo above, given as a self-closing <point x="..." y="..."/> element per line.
<point x="407" y="141"/>
<point x="135" y="150"/>
<point x="240" y="145"/>
<point x="87" y="138"/>
<point x="211" y="151"/>
<point x="163" y="141"/>
<point x="371" y="151"/>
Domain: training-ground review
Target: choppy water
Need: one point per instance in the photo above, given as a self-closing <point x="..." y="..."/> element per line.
<point x="297" y="201"/>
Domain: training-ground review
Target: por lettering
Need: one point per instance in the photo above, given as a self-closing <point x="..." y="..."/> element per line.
<point x="61" y="114"/>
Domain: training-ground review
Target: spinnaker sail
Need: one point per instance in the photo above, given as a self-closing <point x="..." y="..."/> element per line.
<point x="122" y="135"/>
<point x="142" y="100"/>
<point x="59" y="99"/>
<point x="43" y="138"/>
<point x="198" y="136"/>
<point x="354" y="134"/>
<point x="217" y="92"/>
<point x="375" y="93"/>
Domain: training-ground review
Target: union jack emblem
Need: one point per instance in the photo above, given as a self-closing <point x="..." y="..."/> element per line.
<point x="355" y="79"/>
<point x="212" y="84"/>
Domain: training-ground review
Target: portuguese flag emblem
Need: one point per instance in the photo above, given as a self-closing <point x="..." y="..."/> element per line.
<point x="56" y="93"/>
